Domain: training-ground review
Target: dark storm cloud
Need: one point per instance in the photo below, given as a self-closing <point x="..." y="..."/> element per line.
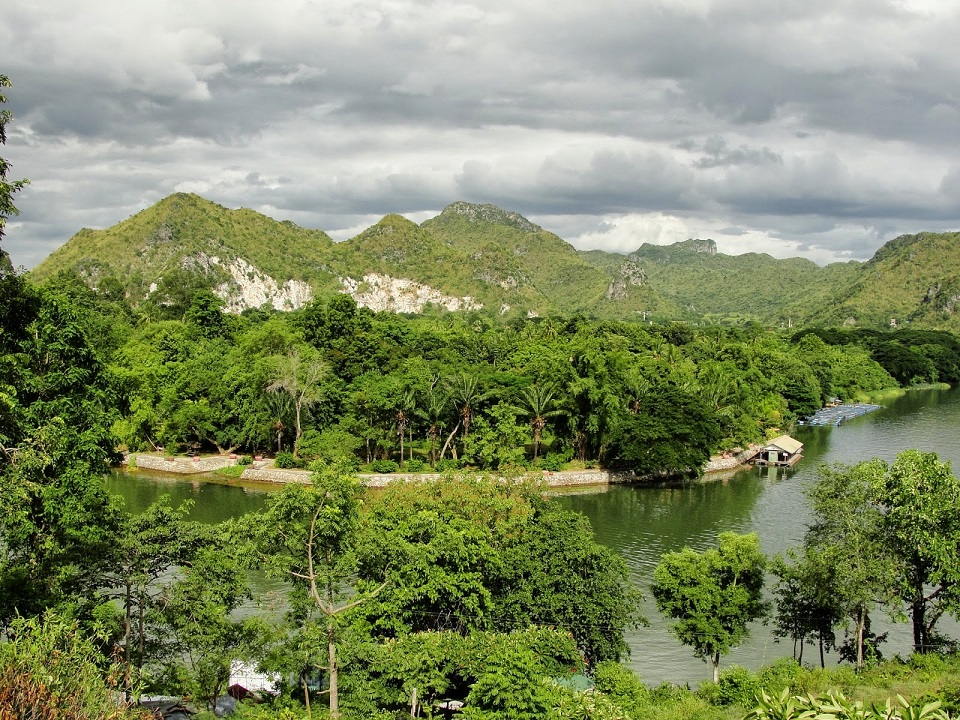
<point x="828" y="125"/>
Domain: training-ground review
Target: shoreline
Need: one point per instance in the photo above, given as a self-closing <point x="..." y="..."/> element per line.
<point x="262" y="471"/>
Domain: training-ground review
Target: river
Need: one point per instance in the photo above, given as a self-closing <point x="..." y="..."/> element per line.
<point x="643" y="523"/>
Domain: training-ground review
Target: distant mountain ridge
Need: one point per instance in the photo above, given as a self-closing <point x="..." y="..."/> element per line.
<point x="481" y="257"/>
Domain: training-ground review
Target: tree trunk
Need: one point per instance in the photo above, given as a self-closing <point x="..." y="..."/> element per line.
<point x="823" y="664"/>
<point x="332" y="669"/>
<point x="449" y="438"/>
<point x="918" y="610"/>
<point x="306" y="696"/>
<point x="861" y="624"/>
<point x="716" y="667"/>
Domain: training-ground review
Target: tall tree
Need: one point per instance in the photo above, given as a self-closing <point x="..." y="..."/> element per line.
<point x="808" y="604"/>
<point x="300" y="375"/>
<point x="712" y="596"/>
<point x="918" y="498"/>
<point x="307" y="536"/>
<point x="7" y="187"/>
<point x="847" y="532"/>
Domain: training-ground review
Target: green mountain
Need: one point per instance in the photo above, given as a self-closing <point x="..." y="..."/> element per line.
<point x="480" y="256"/>
<point x="248" y="257"/>
<point x="912" y="279"/>
<point x="704" y="283"/>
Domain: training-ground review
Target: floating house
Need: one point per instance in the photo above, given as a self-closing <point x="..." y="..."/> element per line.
<point x="782" y="451"/>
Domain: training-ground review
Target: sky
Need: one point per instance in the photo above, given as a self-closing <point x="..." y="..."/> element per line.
<point x="811" y="128"/>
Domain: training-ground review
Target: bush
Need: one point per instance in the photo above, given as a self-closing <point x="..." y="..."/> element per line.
<point x="49" y="671"/>
<point x="553" y="462"/>
<point x="414" y="465"/>
<point x="447" y="464"/>
<point x="784" y="673"/>
<point x="285" y="460"/>
<point x="737" y="686"/>
<point x="622" y="686"/>
<point x="245" y="460"/>
<point x="384" y="466"/>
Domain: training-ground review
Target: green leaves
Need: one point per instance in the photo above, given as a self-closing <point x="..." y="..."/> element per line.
<point x="834" y="706"/>
<point x="713" y="595"/>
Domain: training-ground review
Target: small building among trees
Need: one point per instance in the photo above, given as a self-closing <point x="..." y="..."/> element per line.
<point x="783" y="451"/>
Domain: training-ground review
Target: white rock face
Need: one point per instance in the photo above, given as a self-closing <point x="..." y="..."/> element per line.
<point x="250" y="288"/>
<point x="384" y="293"/>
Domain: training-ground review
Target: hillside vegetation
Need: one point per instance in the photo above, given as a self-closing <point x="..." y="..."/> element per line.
<point x="474" y="257"/>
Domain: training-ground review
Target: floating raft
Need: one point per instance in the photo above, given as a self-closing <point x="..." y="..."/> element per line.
<point x="837" y="414"/>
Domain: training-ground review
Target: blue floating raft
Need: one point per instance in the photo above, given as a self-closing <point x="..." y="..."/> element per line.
<point x="835" y="415"/>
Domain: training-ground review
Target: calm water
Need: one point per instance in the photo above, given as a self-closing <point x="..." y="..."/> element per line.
<point x="643" y="523"/>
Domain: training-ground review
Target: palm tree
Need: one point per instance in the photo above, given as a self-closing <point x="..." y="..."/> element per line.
<point x="465" y="393"/>
<point x="537" y="400"/>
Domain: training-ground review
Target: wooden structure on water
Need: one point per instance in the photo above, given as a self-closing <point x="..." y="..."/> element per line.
<point x="782" y="451"/>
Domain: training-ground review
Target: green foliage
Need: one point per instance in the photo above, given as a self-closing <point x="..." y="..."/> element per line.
<point x="736" y="686"/>
<point x="669" y="432"/>
<point x="286" y="460"/>
<point x="384" y="466"/>
<point x="50" y="671"/>
<point x="415" y="466"/>
<point x="479" y="554"/>
<point x="835" y="706"/>
<point x="712" y="596"/>
<point x="553" y="462"/>
<point x="622" y="686"/>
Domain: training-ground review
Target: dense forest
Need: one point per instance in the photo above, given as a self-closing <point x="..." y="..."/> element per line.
<point x="337" y="381"/>
<point x="472" y="587"/>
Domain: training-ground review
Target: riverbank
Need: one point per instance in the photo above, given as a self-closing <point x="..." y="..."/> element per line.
<point x="263" y="471"/>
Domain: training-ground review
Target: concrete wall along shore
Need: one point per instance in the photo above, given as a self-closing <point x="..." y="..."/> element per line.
<point x="180" y="465"/>
<point x="266" y="473"/>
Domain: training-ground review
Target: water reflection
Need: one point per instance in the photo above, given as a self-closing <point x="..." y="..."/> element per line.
<point x="643" y="523"/>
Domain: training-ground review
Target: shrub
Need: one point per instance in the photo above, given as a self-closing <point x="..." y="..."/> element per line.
<point x="553" y="462"/>
<point x="286" y="460"/>
<point x="622" y="686"/>
<point x="414" y="465"/>
<point x="447" y="464"/>
<point x="737" y="686"/>
<point x="245" y="460"/>
<point x="48" y="671"/>
<point x="784" y="673"/>
<point x="384" y="466"/>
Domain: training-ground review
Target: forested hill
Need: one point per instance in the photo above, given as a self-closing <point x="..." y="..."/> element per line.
<point x="481" y="257"/>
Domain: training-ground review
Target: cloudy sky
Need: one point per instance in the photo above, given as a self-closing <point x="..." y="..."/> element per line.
<point x="818" y="128"/>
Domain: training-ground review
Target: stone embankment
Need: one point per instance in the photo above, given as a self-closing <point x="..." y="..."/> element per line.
<point x="263" y="471"/>
<point x="180" y="465"/>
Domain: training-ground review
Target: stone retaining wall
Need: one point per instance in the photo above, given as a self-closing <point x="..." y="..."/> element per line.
<point x="728" y="463"/>
<point x="180" y="465"/>
<point x="275" y="475"/>
<point x="260" y="473"/>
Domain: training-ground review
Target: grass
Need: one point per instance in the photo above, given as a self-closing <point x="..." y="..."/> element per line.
<point x="234" y="471"/>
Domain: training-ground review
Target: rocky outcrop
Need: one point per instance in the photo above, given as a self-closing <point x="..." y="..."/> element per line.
<point x="629" y="274"/>
<point x="382" y="293"/>
<point x="250" y="288"/>
<point x="490" y="213"/>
